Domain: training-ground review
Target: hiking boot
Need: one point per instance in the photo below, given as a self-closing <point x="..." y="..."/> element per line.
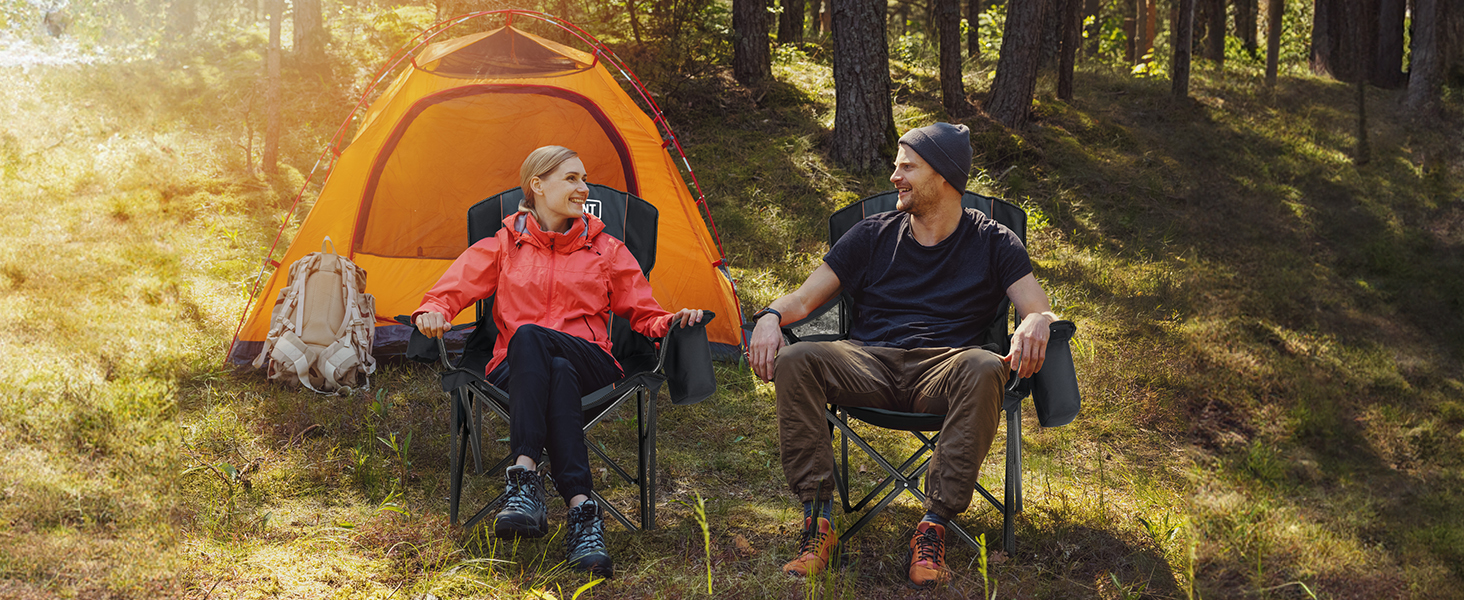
<point x="814" y="549"/>
<point x="927" y="555"/>
<point x="523" y="510"/>
<point x="584" y="545"/>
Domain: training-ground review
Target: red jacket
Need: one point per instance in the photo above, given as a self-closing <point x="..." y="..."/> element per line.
<point x="568" y="282"/>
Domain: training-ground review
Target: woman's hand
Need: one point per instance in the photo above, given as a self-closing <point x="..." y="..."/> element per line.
<point x="687" y="316"/>
<point x="433" y="324"/>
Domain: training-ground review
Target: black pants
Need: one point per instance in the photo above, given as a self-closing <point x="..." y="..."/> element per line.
<point x="546" y="373"/>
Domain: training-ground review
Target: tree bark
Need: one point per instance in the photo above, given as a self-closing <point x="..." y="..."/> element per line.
<point x="1184" y="33"/>
<point x="1363" y="58"/>
<point x="864" y="122"/>
<point x="948" y="26"/>
<point x="1426" y="69"/>
<point x="1323" y="37"/>
<point x="1275" y="9"/>
<point x="1016" y="68"/>
<point x="1142" y="34"/>
<point x="635" y="31"/>
<point x="270" y="159"/>
<point x="1215" y="31"/>
<point x="310" y="33"/>
<point x="1072" y="26"/>
<point x="1245" y="25"/>
<point x="1388" y="72"/>
<point x="1340" y="29"/>
<point x="752" y="60"/>
<point x="790" y="22"/>
<point x="973" y="28"/>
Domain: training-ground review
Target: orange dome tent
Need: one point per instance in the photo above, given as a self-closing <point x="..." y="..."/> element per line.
<point x="452" y="129"/>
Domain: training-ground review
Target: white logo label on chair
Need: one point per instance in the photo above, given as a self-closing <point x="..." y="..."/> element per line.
<point x="592" y="206"/>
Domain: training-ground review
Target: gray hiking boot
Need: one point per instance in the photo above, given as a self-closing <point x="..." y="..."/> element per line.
<point x="584" y="544"/>
<point x="523" y="510"/>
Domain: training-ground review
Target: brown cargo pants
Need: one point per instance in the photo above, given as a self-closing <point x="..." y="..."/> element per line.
<point x="965" y="384"/>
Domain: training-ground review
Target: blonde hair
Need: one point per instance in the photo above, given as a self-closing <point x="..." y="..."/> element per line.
<point x="540" y="162"/>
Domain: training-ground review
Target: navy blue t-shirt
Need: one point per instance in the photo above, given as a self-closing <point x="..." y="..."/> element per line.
<point x="911" y="296"/>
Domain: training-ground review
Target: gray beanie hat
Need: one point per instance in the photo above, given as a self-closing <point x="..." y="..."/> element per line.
<point x="946" y="147"/>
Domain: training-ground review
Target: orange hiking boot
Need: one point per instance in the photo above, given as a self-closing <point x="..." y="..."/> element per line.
<point x="927" y="555"/>
<point x="815" y="549"/>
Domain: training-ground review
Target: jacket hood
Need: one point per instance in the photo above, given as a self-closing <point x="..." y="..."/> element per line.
<point x="524" y="229"/>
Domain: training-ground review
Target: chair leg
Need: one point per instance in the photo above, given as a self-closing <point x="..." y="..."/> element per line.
<point x="1013" y="483"/>
<point x="477" y="408"/>
<point x="844" y="462"/>
<point x="455" y="458"/>
<point x="647" y="398"/>
<point x="1014" y="424"/>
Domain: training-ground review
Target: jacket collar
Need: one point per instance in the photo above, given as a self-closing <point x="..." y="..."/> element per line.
<point x="525" y="230"/>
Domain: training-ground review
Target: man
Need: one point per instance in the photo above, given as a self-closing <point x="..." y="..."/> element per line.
<point x="925" y="280"/>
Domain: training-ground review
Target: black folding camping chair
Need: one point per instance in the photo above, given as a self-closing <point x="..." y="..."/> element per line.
<point x="1057" y="406"/>
<point x="682" y="359"/>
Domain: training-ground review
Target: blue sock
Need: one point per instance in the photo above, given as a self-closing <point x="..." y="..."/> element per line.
<point x="931" y="517"/>
<point x="826" y="509"/>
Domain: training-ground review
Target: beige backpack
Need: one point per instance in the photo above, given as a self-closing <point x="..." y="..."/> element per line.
<point x="322" y="326"/>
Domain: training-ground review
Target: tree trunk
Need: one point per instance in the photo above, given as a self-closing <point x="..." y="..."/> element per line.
<point x="1215" y="31"/>
<point x="1141" y="36"/>
<point x="973" y="28"/>
<point x="1388" y="72"/>
<point x="1184" y="33"/>
<point x="864" y="122"/>
<point x="270" y="159"/>
<point x="826" y="17"/>
<point x="790" y="22"/>
<point x="1323" y="37"/>
<point x="1245" y="25"/>
<point x="1363" y="58"/>
<point x="1016" y="68"/>
<point x="635" y="31"/>
<point x="1072" y="25"/>
<point x="1451" y="40"/>
<point x="1426" y="69"/>
<point x="1340" y="29"/>
<point x="952" y="89"/>
<point x="310" y="34"/>
<point x="751" y="57"/>
<point x="1275" y="9"/>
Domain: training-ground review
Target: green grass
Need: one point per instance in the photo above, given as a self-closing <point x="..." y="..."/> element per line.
<point x="1269" y="342"/>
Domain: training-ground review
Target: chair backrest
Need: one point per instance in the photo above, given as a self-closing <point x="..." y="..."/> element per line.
<point x="627" y="217"/>
<point x="1004" y="212"/>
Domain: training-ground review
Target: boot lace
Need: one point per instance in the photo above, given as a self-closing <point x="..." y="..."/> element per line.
<point x="523" y="490"/>
<point x="587" y="531"/>
<point x="813" y="538"/>
<point x="929" y="546"/>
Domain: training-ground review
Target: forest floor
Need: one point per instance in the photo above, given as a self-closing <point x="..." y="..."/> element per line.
<point x="1269" y="347"/>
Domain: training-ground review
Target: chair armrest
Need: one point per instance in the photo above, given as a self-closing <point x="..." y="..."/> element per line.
<point x="421" y="348"/>
<point x="1055" y="388"/>
<point x="686" y="360"/>
<point x="791" y="337"/>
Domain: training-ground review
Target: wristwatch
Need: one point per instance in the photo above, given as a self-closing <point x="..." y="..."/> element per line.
<point x="765" y="312"/>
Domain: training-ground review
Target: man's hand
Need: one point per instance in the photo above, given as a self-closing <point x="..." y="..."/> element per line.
<point x="687" y="316"/>
<point x="763" y="347"/>
<point x="1029" y="344"/>
<point x="433" y="324"/>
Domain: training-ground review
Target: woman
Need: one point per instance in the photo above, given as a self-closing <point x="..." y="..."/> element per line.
<point x="557" y="278"/>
